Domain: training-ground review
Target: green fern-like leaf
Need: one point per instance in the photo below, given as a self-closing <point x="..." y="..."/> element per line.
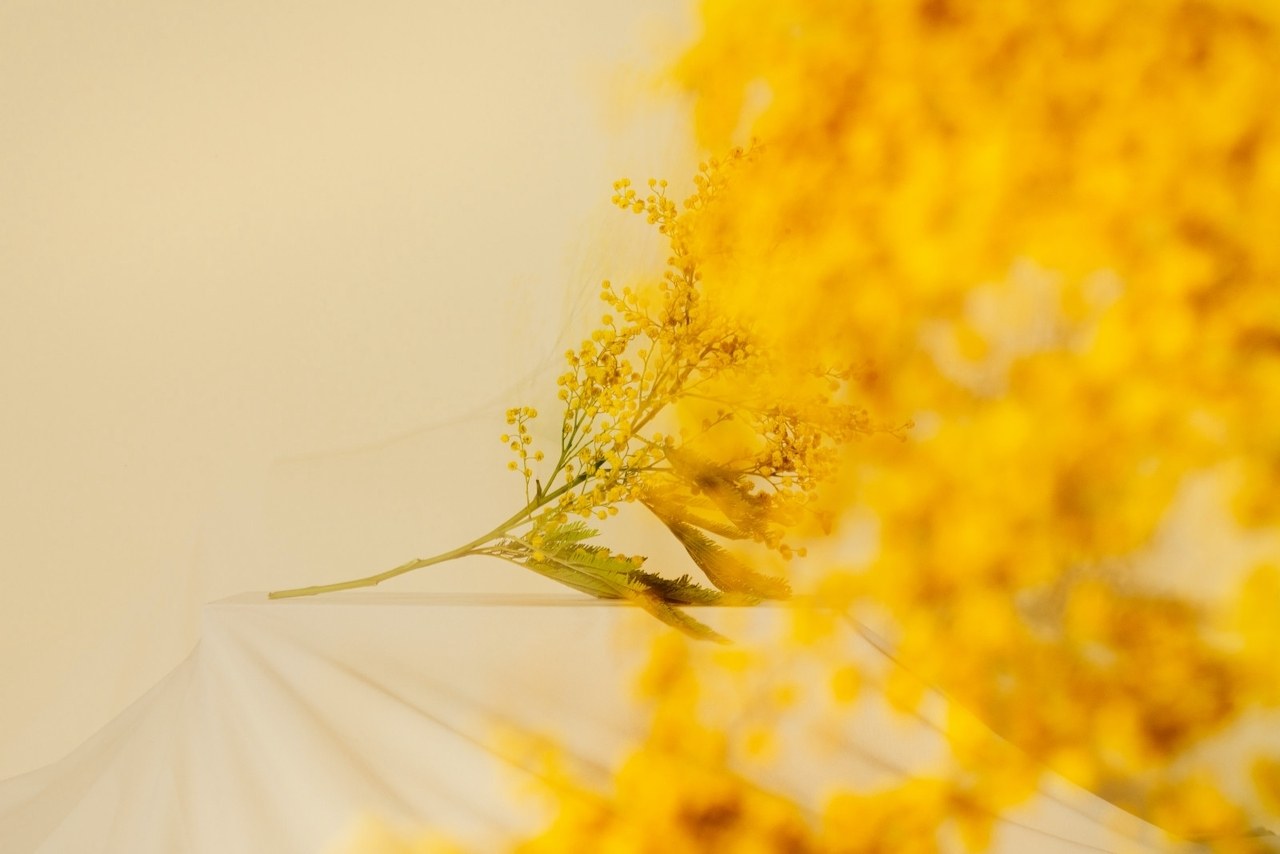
<point x="600" y="576"/>
<point x="681" y="591"/>
<point x="745" y="510"/>
<point x="556" y="537"/>
<point x="598" y="559"/>
<point x="675" y="617"/>
<point x="580" y="580"/>
<point x="696" y="510"/>
<point x="723" y="569"/>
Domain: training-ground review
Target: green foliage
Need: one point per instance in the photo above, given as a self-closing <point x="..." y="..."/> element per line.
<point x="556" y="536"/>
<point x="684" y="590"/>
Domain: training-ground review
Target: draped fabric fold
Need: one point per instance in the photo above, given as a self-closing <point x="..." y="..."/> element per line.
<point x="291" y="721"/>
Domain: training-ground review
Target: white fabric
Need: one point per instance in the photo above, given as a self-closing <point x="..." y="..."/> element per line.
<point x="294" y="718"/>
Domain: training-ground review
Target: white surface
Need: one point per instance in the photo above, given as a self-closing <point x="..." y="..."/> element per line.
<point x="294" y="718"/>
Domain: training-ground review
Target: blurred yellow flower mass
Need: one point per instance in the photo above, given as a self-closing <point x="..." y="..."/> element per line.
<point x="1047" y="237"/>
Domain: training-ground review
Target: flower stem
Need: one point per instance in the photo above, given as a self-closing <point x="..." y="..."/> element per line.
<point x="371" y="580"/>
<point x="470" y="548"/>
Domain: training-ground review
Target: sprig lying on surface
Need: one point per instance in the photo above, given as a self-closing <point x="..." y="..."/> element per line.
<point x="753" y="440"/>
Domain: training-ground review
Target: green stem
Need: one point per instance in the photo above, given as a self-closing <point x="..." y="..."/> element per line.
<point x="419" y="563"/>
<point x="501" y="530"/>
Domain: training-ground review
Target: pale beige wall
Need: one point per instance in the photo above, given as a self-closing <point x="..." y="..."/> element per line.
<point x="268" y="274"/>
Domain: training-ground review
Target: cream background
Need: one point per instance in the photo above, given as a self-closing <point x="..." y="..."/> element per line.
<point x="269" y="273"/>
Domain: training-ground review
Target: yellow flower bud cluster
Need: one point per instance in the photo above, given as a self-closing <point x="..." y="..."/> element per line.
<point x="763" y="457"/>
<point x="752" y="464"/>
<point x="1046" y="234"/>
<point x="520" y="441"/>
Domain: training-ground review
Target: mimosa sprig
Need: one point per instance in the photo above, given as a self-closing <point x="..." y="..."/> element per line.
<point x="739" y="458"/>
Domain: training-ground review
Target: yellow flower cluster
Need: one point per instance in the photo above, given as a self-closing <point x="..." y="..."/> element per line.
<point x="670" y="346"/>
<point x="1047" y="234"/>
<point x="519" y="443"/>
<point x="692" y="783"/>
<point x="743" y="461"/>
<point x="676" y="794"/>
